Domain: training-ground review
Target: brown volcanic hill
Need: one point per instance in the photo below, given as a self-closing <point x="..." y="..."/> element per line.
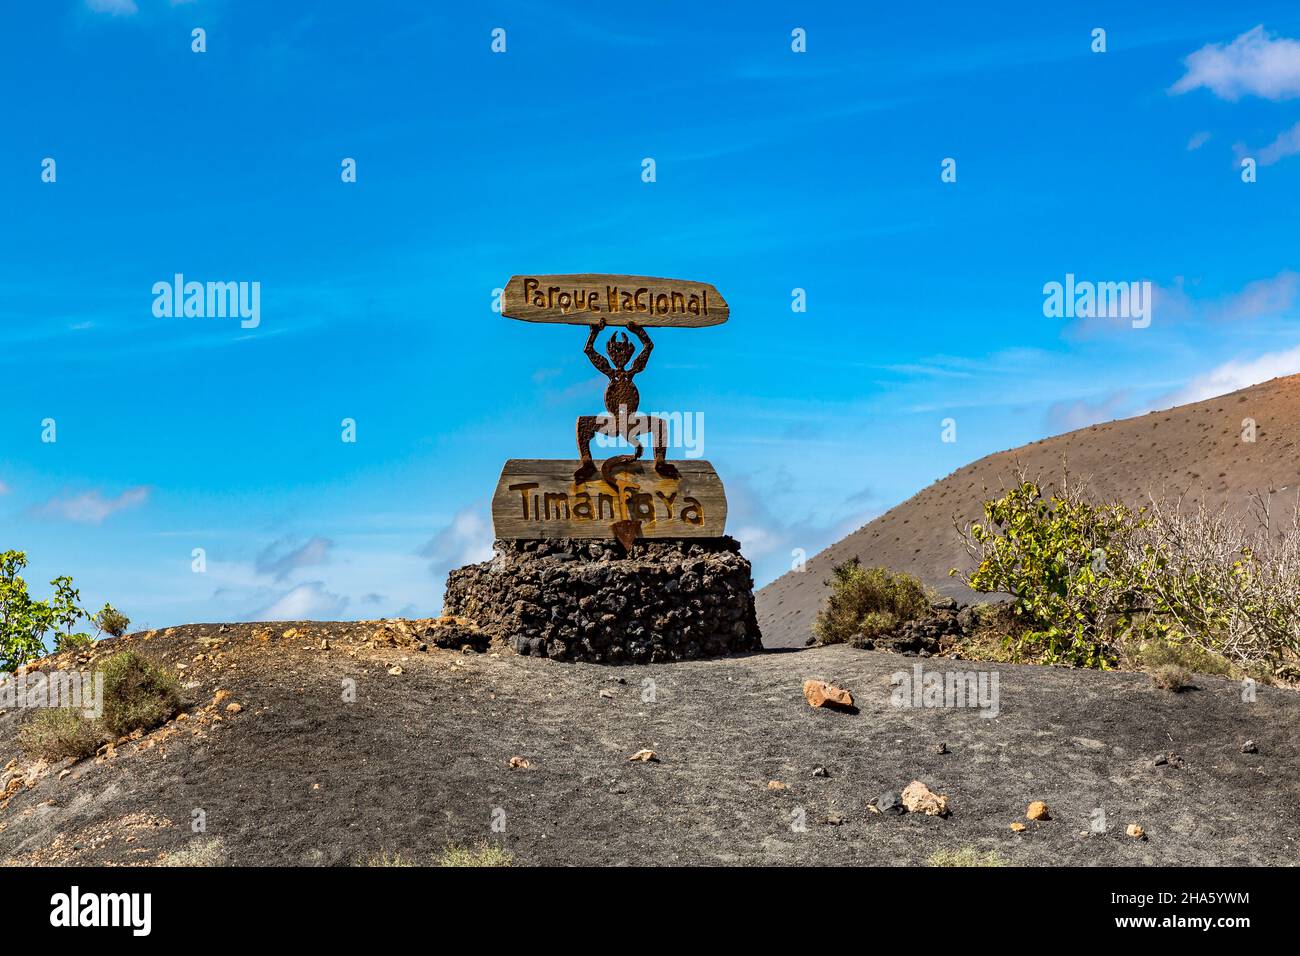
<point x="1196" y="449"/>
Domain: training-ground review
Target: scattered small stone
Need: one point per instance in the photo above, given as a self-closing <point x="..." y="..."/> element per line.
<point x="645" y="756"/>
<point x="606" y="692"/>
<point x="233" y="708"/>
<point x="324" y="644"/>
<point x="1170" y="759"/>
<point x="291" y="633"/>
<point x="820" y="771"/>
<point x="941" y="748"/>
<point x="519" y="763"/>
<point x="220" y="695"/>
<point x="918" y="798"/>
<point x="776" y="785"/>
<point x="889" y="802"/>
<point x="1135" y="831"/>
<point x="1037" y="811"/>
<point x="395" y="669"/>
<point x="1249" y="747"/>
<point x="819" y="693"/>
<point x="1018" y="827"/>
<point x="835" y="820"/>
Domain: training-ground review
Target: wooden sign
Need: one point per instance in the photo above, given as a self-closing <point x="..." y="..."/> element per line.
<point x="538" y="498"/>
<point x="586" y="299"/>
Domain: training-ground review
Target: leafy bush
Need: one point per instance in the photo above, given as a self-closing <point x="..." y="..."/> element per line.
<point x="25" y="622"/>
<point x="1090" y="579"/>
<point x="58" y="732"/>
<point x="138" y="695"/>
<point x="1063" y="560"/>
<point x="868" y="602"/>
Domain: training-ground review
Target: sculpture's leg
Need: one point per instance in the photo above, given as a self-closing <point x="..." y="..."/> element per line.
<point x="657" y="429"/>
<point x="588" y="425"/>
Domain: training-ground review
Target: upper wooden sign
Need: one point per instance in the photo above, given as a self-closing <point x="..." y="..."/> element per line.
<point x="586" y="299"/>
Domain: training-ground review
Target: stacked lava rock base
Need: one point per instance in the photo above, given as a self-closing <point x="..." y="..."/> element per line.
<point x="588" y="600"/>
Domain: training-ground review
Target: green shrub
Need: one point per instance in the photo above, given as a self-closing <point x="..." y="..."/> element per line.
<point x="58" y="732"/>
<point x="72" y="642"/>
<point x="1064" y="562"/>
<point x="869" y="602"/>
<point x="112" y="621"/>
<point x="138" y="695"/>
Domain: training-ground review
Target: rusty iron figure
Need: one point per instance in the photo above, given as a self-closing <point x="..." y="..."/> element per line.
<point x="621" y="401"/>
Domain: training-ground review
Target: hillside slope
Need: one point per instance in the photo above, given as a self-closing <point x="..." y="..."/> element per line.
<point x="420" y="759"/>
<point x="1197" y="449"/>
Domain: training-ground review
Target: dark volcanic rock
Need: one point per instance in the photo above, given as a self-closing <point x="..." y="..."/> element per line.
<point x="580" y="600"/>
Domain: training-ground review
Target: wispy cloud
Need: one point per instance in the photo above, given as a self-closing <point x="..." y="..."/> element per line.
<point x="117" y="8"/>
<point x="91" y="507"/>
<point x="466" y="540"/>
<point x="278" y="563"/>
<point x="1286" y="144"/>
<point x="1255" y="62"/>
<point x="1198" y="140"/>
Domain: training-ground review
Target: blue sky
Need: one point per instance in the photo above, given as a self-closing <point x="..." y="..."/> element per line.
<point x="775" y="170"/>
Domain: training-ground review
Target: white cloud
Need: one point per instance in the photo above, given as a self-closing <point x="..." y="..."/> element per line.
<point x="306" y="602"/>
<point x="466" y="540"/>
<point x="1198" y="140"/>
<point x="117" y="8"/>
<point x="1237" y="374"/>
<point x="277" y="563"/>
<point x="91" y="507"/>
<point x="4" y="489"/>
<point x="1255" y="63"/>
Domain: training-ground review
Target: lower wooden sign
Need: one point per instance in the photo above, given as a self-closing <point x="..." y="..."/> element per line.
<point x="539" y="498"/>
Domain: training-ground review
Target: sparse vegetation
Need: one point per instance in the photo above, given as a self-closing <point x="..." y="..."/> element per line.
<point x="198" y="852"/>
<point x="384" y="858"/>
<point x="966" y="856"/>
<point x="481" y="854"/>
<point x="138" y="694"/>
<point x="1172" y="677"/>
<point x="112" y="621"/>
<point x="868" y="602"/>
<point x="58" y="732"/>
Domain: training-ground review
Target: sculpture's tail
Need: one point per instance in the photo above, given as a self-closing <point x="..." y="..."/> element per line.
<point x="618" y="463"/>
